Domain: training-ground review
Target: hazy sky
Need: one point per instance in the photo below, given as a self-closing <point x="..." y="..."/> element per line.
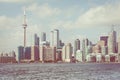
<point x="74" y="18"/>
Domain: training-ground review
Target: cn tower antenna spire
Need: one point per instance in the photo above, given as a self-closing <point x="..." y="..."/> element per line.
<point x="24" y="27"/>
<point x="24" y="23"/>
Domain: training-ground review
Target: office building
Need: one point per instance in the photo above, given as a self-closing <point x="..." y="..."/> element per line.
<point x="105" y="39"/>
<point x="59" y="55"/>
<point x="85" y="43"/>
<point x="51" y="38"/>
<point x="43" y="41"/>
<point x="20" y="53"/>
<point x="41" y="53"/>
<point x="28" y="53"/>
<point x="36" y="40"/>
<point x="112" y="42"/>
<point x="76" y="45"/>
<point x="79" y="56"/>
<point x="55" y="38"/>
<point x="34" y="53"/>
<point x="49" y="54"/>
<point x="67" y="51"/>
<point x="119" y="45"/>
<point x="61" y="44"/>
<point x="8" y="58"/>
<point x="43" y="36"/>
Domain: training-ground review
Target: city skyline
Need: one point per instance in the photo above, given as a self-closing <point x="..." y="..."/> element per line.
<point x="73" y="20"/>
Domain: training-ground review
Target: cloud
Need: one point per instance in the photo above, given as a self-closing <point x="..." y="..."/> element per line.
<point x="43" y="10"/>
<point x="9" y="29"/>
<point x="15" y="1"/>
<point x="8" y="22"/>
<point x="99" y="16"/>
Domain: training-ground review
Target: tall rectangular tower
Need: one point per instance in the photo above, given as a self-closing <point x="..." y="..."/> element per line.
<point x="55" y="38"/>
<point x="67" y="51"/>
<point x="36" y="40"/>
<point x="76" y="45"/>
<point x="119" y="45"/>
<point x="43" y="36"/>
<point x="112" y="42"/>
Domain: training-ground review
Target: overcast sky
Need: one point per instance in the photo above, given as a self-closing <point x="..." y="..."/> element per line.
<point x="74" y="19"/>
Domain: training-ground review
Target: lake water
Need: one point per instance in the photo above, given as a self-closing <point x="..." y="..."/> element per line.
<point x="60" y="71"/>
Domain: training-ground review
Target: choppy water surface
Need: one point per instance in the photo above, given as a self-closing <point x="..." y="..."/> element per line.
<point x="61" y="71"/>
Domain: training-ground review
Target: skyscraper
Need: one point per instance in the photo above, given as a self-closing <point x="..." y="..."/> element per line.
<point x="41" y="53"/>
<point x="28" y="53"/>
<point x="112" y="42"/>
<point x="76" y="45"/>
<point x="36" y="40"/>
<point x="85" y="44"/>
<point x="20" y="53"/>
<point x="67" y="53"/>
<point x="35" y="53"/>
<point x="51" y="38"/>
<point x="43" y="36"/>
<point x="43" y="41"/>
<point x="79" y="55"/>
<point x="55" y="38"/>
<point x="119" y="45"/>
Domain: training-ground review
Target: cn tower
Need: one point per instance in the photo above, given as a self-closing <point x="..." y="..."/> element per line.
<point x="24" y="26"/>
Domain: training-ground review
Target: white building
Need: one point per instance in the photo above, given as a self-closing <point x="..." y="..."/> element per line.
<point x="67" y="52"/>
<point x="52" y="38"/>
<point x="79" y="56"/>
<point x="55" y="38"/>
<point x="41" y="50"/>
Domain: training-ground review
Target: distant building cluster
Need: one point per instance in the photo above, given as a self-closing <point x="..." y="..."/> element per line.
<point x="8" y="58"/>
<point x="42" y="50"/>
<point x="107" y="49"/>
